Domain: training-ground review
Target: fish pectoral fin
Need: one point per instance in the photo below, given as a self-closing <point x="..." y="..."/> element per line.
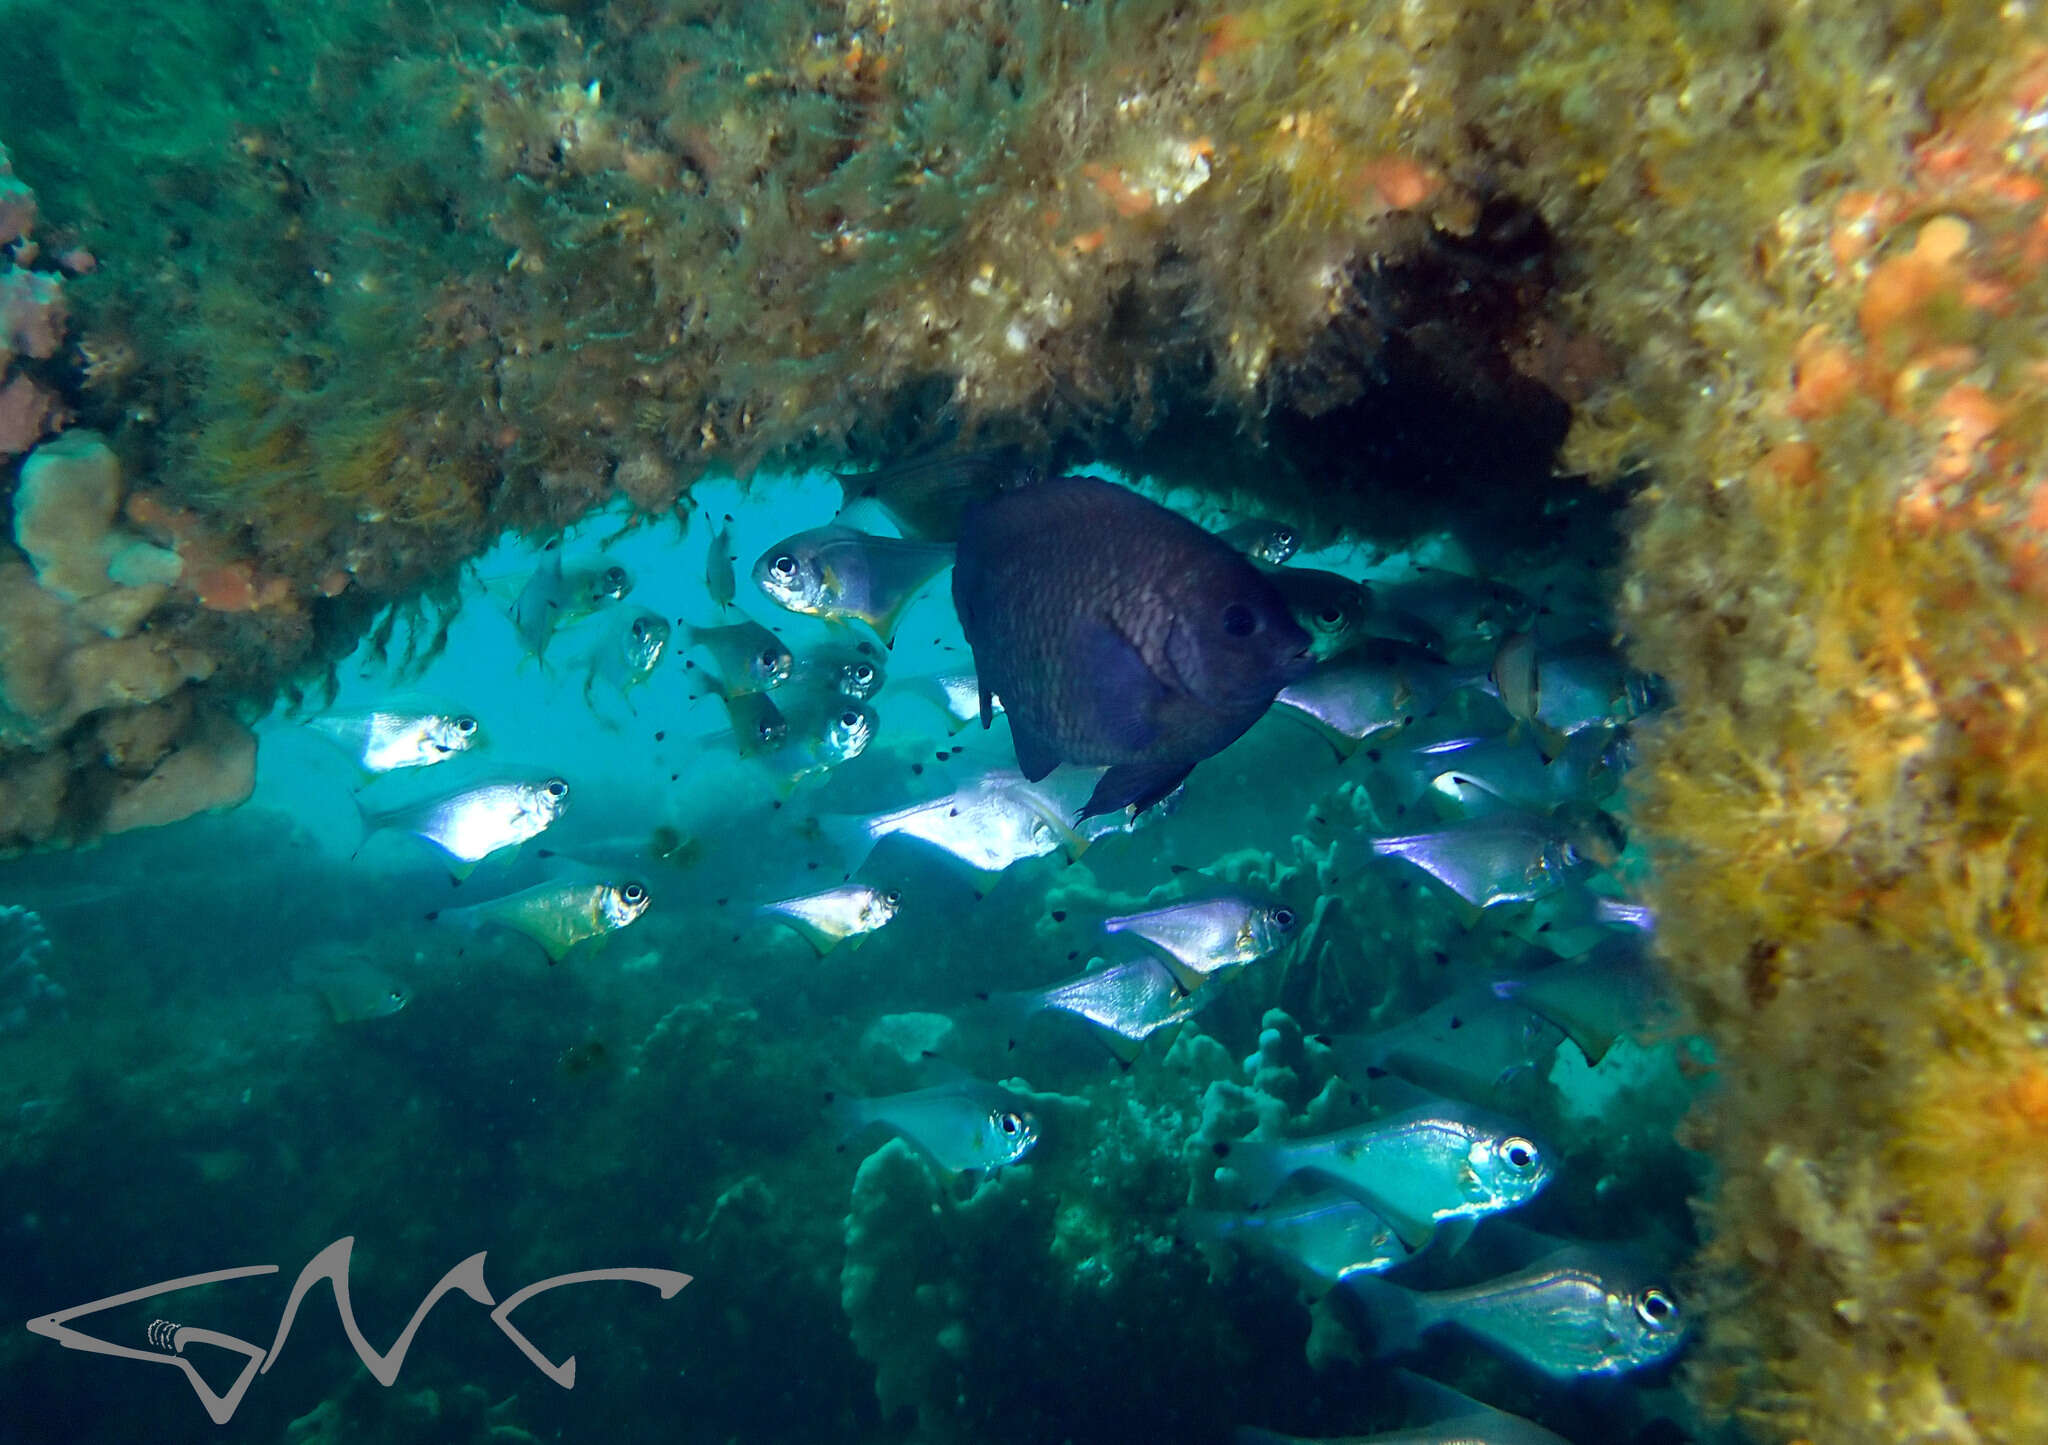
<point x="1134" y="785"/>
<point x="1413" y="1230"/>
<point x="1124" y="692"/>
<point x="1452" y="1234"/>
<point x="1121" y="1046"/>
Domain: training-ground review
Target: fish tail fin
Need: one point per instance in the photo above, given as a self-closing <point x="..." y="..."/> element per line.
<point x="1204" y="1226"/>
<point x="369" y="822"/>
<point x="815" y="936"/>
<point x="1393" y="1318"/>
<point x="1012" y="1007"/>
<point x="847" y="835"/>
<point x="1126" y="1049"/>
<point x="1260" y="1165"/>
<point x="1623" y="914"/>
<point x="848" y="1115"/>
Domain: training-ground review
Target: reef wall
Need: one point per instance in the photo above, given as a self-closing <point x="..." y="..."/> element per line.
<point x="378" y="282"/>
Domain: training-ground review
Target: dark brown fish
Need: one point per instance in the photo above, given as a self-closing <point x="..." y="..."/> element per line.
<point x="1117" y="632"/>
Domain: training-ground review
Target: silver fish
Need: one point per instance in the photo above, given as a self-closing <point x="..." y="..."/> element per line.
<point x="1590" y="685"/>
<point x="1469" y="616"/>
<point x="959" y="1125"/>
<point x="1469" y="776"/>
<point x="1581" y="1311"/>
<point x="1452" y="1419"/>
<point x="1506" y="857"/>
<point x="1263" y="540"/>
<point x="1126" y="1002"/>
<point x="557" y="595"/>
<point x="384" y="740"/>
<point x="1576" y="918"/>
<point x="758" y="725"/>
<point x="749" y="657"/>
<point x="852" y="672"/>
<point x="356" y="996"/>
<point x="1331" y="608"/>
<point x="816" y="744"/>
<point x="988" y="825"/>
<point x="1374" y="687"/>
<point x="1614" y="991"/>
<point x="470" y="825"/>
<point x="625" y="657"/>
<point x="719" y="583"/>
<point x="557" y="916"/>
<point x="1418" y="1169"/>
<point x="1320" y="1238"/>
<point x="838" y="573"/>
<point x="827" y="919"/>
<point x="1514" y="676"/>
<point x="958" y="695"/>
<point x="1472" y="1046"/>
<point x="1205" y="936"/>
<point x="925" y="496"/>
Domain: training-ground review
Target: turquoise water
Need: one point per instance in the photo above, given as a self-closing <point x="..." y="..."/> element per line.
<point x="263" y="1045"/>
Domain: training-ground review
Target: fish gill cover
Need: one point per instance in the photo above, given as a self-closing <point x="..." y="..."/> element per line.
<point x="405" y="407"/>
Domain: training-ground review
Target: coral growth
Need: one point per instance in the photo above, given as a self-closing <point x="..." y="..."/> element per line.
<point x="32" y="320"/>
<point x="97" y="706"/>
<point x="26" y="991"/>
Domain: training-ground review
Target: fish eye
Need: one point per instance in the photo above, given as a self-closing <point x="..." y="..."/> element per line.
<point x="1283" y="918"/>
<point x="1520" y="1154"/>
<point x="771" y="659"/>
<point x="1010" y="1122"/>
<point x="849" y="719"/>
<point x="1330" y="616"/>
<point x="892" y="898"/>
<point x="614" y="577"/>
<point x="1284" y="536"/>
<point x="633" y="893"/>
<point x="765" y="732"/>
<point x="863" y="673"/>
<point x="556" y="788"/>
<point x="397" y="995"/>
<point x="1239" y="620"/>
<point x="783" y="566"/>
<point x="465" y="725"/>
<point x="1657" y="1309"/>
